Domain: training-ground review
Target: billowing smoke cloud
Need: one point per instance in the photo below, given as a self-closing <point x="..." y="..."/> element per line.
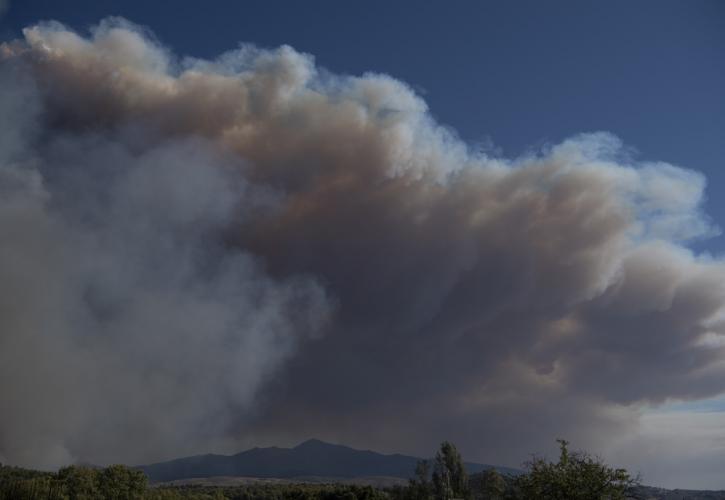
<point x="130" y="326"/>
<point x="199" y="254"/>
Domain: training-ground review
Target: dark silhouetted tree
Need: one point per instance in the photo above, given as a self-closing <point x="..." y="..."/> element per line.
<point x="450" y="479"/>
<point x="119" y="482"/>
<point x="493" y="485"/>
<point x="420" y="487"/>
<point x="576" y="476"/>
<point x="81" y="483"/>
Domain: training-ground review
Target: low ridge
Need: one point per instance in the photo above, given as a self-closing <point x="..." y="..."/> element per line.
<point x="311" y="458"/>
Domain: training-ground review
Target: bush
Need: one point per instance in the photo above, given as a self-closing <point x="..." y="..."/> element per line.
<point x="576" y="476"/>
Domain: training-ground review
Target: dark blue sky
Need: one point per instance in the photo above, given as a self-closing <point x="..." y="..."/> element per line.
<point x="518" y="73"/>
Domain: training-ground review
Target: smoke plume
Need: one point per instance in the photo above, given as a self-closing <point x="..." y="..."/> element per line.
<point x="202" y="253"/>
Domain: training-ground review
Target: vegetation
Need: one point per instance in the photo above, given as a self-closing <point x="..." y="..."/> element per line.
<point x="420" y="487"/>
<point x="448" y="481"/>
<point x="491" y="485"/>
<point x="119" y="482"/>
<point x="576" y="476"/>
<point x="116" y="482"/>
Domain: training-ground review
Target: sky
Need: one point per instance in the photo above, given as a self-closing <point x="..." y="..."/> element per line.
<point x="378" y="224"/>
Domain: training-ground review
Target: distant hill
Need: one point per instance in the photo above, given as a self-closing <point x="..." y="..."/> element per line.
<point x="313" y="458"/>
<point x="651" y="493"/>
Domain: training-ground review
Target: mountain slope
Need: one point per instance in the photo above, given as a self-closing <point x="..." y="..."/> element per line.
<point x="311" y="458"/>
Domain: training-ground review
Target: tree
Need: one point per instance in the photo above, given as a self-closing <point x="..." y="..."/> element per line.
<point x="450" y="479"/>
<point x="81" y="483"/>
<point x="119" y="482"/>
<point x="493" y="485"/>
<point x="420" y="487"/>
<point x="576" y="476"/>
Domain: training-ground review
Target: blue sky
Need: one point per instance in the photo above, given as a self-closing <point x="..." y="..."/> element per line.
<point x="515" y="75"/>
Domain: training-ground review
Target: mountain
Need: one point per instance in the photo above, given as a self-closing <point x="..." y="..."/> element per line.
<point x="652" y="493"/>
<point x="311" y="458"/>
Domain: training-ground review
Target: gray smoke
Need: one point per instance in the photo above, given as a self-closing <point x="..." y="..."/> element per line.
<point x="199" y="254"/>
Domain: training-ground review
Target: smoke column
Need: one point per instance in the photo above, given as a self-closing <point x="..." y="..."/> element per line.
<point x="198" y="254"/>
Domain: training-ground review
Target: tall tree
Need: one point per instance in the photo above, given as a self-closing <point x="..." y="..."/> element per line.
<point x="118" y="482"/>
<point x="420" y="487"/>
<point x="81" y="483"/>
<point x="450" y="479"/>
<point x="493" y="485"/>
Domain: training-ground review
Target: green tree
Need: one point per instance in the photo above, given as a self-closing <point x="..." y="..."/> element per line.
<point x="576" y="476"/>
<point x="420" y="487"/>
<point x="450" y="479"/>
<point x="119" y="482"/>
<point x="80" y="483"/>
<point x="493" y="485"/>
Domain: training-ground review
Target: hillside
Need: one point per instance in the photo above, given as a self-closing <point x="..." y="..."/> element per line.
<point x="651" y="493"/>
<point x="313" y="458"/>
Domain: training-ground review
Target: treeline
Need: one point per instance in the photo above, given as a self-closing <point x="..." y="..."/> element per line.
<point x="119" y="482"/>
<point x="73" y="483"/>
<point x="575" y="476"/>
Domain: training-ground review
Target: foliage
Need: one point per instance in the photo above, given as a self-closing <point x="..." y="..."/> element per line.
<point x="268" y="492"/>
<point x="576" y="476"/>
<point x="489" y="485"/>
<point x="116" y="482"/>
<point x="119" y="482"/>
<point x="420" y="486"/>
<point x="450" y="479"/>
<point x="81" y="483"/>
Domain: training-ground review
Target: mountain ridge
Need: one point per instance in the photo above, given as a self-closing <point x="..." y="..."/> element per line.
<point x="312" y="457"/>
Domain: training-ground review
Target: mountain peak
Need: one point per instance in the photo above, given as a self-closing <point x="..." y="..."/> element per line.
<point x="311" y="458"/>
<point x="313" y="444"/>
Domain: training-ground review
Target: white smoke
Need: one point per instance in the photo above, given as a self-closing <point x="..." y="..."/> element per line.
<point x="130" y="327"/>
